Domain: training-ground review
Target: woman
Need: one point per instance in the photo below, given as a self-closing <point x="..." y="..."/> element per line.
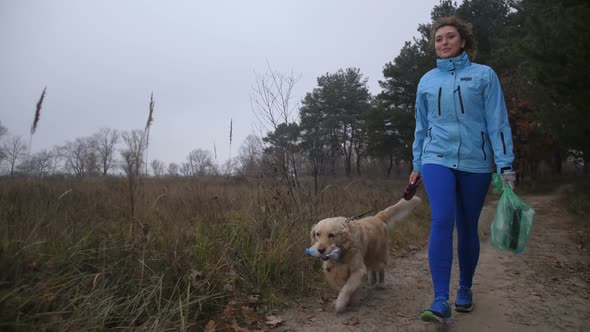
<point x="462" y="130"/>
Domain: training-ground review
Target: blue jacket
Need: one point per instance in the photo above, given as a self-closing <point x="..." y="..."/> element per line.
<point x="461" y="118"/>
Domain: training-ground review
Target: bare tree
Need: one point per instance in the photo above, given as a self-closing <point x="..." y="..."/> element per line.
<point x="79" y="156"/>
<point x="185" y="169"/>
<point x="15" y="150"/>
<point x="92" y="163"/>
<point x="105" y="141"/>
<point x="173" y="169"/>
<point x="131" y="164"/>
<point x="273" y="107"/>
<point x="250" y="156"/>
<point x="158" y="167"/>
<point x="3" y="132"/>
<point x="229" y="167"/>
<point x="40" y="164"/>
<point x="133" y="153"/>
<point x="200" y="162"/>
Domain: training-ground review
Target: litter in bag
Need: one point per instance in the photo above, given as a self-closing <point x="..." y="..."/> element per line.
<point x="513" y="220"/>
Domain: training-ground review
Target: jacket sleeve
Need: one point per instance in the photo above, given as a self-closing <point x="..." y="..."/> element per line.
<point x="498" y="126"/>
<point x="421" y="129"/>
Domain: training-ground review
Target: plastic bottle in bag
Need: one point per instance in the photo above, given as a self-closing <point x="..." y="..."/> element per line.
<point x="513" y="220"/>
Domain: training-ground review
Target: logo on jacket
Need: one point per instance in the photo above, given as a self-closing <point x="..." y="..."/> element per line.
<point x="465" y="78"/>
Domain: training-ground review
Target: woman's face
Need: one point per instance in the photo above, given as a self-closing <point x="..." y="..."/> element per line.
<point x="448" y="42"/>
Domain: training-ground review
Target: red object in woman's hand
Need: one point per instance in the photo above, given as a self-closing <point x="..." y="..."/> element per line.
<point x="411" y="189"/>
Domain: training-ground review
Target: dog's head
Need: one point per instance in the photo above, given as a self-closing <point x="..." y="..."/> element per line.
<point x="330" y="233"/>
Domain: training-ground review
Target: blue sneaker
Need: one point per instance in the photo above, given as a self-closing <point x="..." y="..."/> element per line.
<point x="439" y="311"/>
<point x="464" y="301"/>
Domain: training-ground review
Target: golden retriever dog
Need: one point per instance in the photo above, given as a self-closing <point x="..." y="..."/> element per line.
<point x="363" y="246"/>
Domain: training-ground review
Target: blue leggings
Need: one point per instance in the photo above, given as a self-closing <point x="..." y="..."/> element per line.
<point x="456" y="197"/>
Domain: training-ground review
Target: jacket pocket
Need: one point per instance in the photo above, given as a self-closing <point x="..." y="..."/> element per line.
<point x="430" y="139"/>
<point x="439" y="96"/>
<point x="460" y="99"/>
<point x="483" y="145"/>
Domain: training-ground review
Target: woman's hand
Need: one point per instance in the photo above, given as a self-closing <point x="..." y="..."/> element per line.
<point x="509" y="178"/>
<point x="415" y="177"/>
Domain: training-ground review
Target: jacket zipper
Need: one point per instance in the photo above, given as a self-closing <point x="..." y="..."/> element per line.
<point x="460" y="99"/>
<point x="503" y="143"/>
<point x="430" y="136"/>
<point x="439" y="95"/>
<point x="483" y="145"/>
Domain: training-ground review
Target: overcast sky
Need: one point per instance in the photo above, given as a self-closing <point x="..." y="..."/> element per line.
<point x="100" y="60"/>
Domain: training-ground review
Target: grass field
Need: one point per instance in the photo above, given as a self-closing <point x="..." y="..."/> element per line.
<point x="72" y="257"/>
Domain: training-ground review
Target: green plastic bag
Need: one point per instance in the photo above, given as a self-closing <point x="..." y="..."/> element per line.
<point x="513" y="220"/>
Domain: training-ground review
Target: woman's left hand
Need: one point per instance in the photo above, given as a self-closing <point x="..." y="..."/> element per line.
<point x="509" y="178"/>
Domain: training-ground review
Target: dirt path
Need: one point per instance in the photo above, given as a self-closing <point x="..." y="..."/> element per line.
<point x="546" y="288"/>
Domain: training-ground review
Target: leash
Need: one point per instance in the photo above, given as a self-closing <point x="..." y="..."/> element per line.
<point x="358" y="216"/>
<point x="409" y="192"/>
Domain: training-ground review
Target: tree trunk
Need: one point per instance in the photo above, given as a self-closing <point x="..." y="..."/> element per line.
<point x="358" y="165"/>
<point x="557" y="161"/>
<point x="586" y="168"/>
<point x="390" y="167"/>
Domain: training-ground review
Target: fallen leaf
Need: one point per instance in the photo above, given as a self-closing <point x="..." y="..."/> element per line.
<point x="250" y="315"/>
<point x="228" y="311"/>
<point x="311" y="316"/>
<point x="273" y="321"/>
<point x="354" y="320"/>
<point x="237" y="328"/>
<point x="210" y="327"/>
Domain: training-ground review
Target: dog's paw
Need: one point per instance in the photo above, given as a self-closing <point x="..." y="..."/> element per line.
<point x="340" y="306"/>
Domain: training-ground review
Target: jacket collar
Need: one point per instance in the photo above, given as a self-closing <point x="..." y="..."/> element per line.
<point x="459" y="62"/>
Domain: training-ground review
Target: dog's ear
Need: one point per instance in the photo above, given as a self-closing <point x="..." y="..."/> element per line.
<point x="312" y="234"/>
<point x="345" y="237"/>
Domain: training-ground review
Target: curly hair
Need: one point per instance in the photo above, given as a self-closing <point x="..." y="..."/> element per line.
<point x="465" y="30"/>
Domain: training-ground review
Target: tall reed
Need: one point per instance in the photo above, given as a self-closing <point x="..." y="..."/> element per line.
<point x="147" y="130"/>
<point x="36" y="117"/>
<point x="231" y="131"/>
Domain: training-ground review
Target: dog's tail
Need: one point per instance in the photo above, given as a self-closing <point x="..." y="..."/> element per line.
<point x="400" y="211"/>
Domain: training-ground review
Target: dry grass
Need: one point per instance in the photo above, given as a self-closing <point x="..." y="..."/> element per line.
<point x="69" y="260"/>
